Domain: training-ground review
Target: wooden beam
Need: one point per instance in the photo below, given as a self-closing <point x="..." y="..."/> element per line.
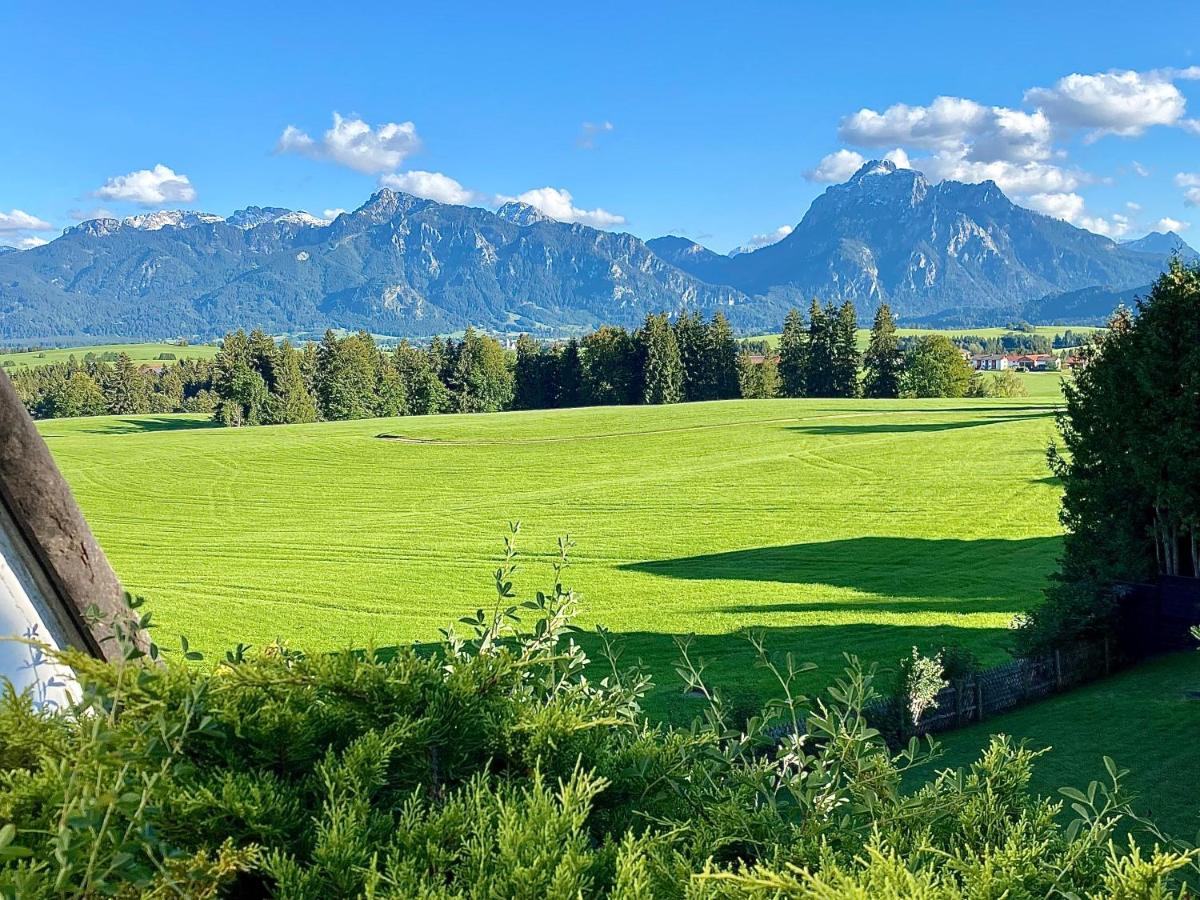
<point x="56" y="540"/>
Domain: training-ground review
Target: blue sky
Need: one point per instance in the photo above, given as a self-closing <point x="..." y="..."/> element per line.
<point x="712" y="120"/>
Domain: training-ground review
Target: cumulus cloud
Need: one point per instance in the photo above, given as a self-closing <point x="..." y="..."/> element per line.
<point x="1190" y="182"/>
<point x="765" y="240"/>
<point x="559" y="204"/>
<point x="1166" y="223"/>
<point x="1123" y="103"/>
<point x="19" y="220"/>
<point x="1067" y="206"/>
<point x="953" y="124"/>
<point x="353" y="143"/>
<point x="149" y="187"/>
<point x="841" y="164"/>
<point x="1115" y="226"/>
<point x="431" y="186"/>
<point x="1019" y="179"/>
<point x="589" y="132"/>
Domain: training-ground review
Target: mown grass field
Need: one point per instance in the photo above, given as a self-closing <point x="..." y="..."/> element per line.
<point x="1143" y="718"/>
<point x="858" y="526"/>
<point x="139" y="353"/>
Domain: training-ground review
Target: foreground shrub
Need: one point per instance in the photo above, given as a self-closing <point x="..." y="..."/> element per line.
<point x="502" y="763"/>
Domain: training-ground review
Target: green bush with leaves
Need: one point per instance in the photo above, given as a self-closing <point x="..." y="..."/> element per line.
<point x="501" y="762"/>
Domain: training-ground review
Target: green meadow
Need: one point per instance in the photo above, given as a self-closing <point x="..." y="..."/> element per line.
<point x="139" y="353"/>
<point x="833" y="526"/>
<point x="859" y="526"/>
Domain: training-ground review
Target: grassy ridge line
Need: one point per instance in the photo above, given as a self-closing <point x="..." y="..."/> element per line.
<point x="909" y="522"/>
<point x="139" y="353"/>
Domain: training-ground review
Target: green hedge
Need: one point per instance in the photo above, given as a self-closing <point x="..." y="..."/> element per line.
<point x="503" y="763"/>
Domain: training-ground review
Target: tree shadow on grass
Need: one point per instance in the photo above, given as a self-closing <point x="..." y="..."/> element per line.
<point x="961" y="571"/>
<point x="140" y="424"/>
<point x="913" y="427"/>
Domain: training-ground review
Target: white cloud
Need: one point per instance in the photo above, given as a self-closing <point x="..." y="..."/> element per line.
<point x="1115" y="226"/>
<point x="1166" y="223"/>
<point x="559" y="204"/>
<point x="1021" y="179"/>
<point x="956" y="125"/>
<point x="355" y="144"/>
<point x="28" y="243"/>
<point x="765" y="240"/>
<point x="149" y="187"/>
<point x="19" y="220"/>
<point x="431" y="186"/>
<point x="1190" y="182"/>
<point x="1067" y="206"/>
<point x="332" y="214"/>
<point x="1133" y="207"/>
<point x="588" y="133"/>
<point x="841" y="164"/>
<point x="836" y="167"/>
<point x="1071" y="207"/>
<point x="1123" y="103"/>
<point x="1140" y="170"/>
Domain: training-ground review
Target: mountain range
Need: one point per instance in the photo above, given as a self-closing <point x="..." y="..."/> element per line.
<point x="945" y="253"/>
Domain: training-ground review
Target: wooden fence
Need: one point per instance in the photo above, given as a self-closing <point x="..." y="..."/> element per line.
<point x="1000" y="688"/>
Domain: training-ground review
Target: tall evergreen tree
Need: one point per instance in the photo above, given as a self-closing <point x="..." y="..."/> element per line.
<point x="819" y="368"/>
<point x="127" y="390"/>
<point x="793" y="356"/>
<point x="290" y="400"/>
<point x="883" y="361"/>
<point x="723" y="359"/>
<point x="662" y="372"/>
<point x="844" y="351"/>
<point x="611" y="367"/>
<point x="346" y="373"/>
<point x="424" y="393"/>
<point x="478" y="377"/>
<point x="535" y="376"/>
<point x="570" y="375"/>
<point x="691" y="335"/>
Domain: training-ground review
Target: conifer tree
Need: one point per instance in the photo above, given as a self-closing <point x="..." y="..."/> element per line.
<point x="424" y="393"/>
<point x="844" y="351"/>
<point x="691" y="335"/>
<point x="346" y="373"/>
<point x="818" y="371"/>
<point x="662" y="372"/>
<point x="883" y="361"/>
<point x="534" y="376"/>
<point x="127" y="389"/>
<point x="793" y="356"/>
<point x="570" y="375"/>
<point x="290" y="400"/>
<point x="723" y="359"/>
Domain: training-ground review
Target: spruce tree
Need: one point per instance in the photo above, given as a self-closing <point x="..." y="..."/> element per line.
<point x="691" y="335"/>
<point x="793" y="356"/>
<point x="844" y="351"/>
<point x="127" y="389"/>
<point x="818" y="370"/>
<point x="290" y="400"/>
<point x="662" y="372"/>
<point x="529" y="387"/>
<point x="723" y="359"/>
<point x="570" y="376"/>
<point x="883" y="361"/>
<point x="424" y="393"/>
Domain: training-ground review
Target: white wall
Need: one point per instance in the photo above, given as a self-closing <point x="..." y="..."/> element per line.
<point x="25" y="609"/>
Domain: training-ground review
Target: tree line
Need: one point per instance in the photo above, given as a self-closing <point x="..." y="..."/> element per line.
<point x="254" y="380"/>
<point x="1129" y="461"/>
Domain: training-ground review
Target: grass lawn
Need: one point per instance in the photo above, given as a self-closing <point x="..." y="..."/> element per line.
<point x="1142" y="718"/>
<point x="139" y="353"/>
<point x="860" y="526"/>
